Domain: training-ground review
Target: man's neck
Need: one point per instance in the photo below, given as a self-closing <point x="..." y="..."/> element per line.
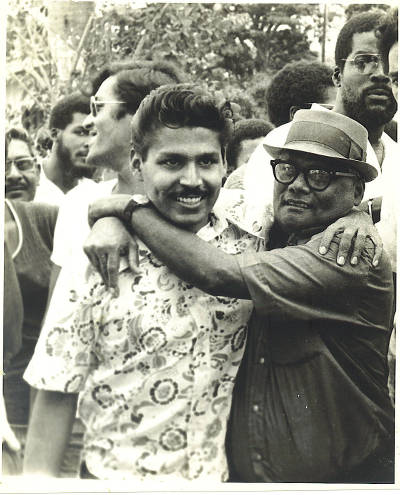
<point x="128" y="182"/>
<point x="374" y="132"/>
<point x="55" y="173"/>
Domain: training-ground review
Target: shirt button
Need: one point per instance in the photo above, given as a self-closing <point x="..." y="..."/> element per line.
<point x="257" y="457"/>
<point x="262" y="360"/>
<point x="256" y="408"/>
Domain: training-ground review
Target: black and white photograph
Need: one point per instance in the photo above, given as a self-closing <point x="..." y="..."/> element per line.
<point x="200" y="246"/>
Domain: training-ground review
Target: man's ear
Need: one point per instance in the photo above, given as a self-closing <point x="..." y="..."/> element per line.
<point x="136" y="161"/>
<point x="292" y="110"/>
<point x="54" y="133"/>
<point x="358" y="191"/>
<point x="337" y="77"/>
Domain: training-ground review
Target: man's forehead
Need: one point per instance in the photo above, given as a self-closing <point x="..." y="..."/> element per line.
<point x="305" y="160"/>
<point x="366" y="42"/>
<point x="184" y="140"/>
<point x="78" y="118"/>
<point x="18" y="147"/>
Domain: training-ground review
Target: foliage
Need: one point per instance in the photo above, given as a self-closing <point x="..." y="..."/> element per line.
<point x="234" y="48"/>
<point x="358" y="8"/>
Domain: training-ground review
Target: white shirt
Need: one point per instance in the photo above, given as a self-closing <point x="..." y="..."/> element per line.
<point x="72" y="226"/>
<point x="47" y="191"/>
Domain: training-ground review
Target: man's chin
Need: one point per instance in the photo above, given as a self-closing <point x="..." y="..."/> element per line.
<point x="84" y="171"/>
<point x="21" y="195"/>
<point x="190" y="222"/>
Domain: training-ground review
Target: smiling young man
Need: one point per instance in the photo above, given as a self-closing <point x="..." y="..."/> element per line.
<point x="154" y="367"/>
<point x="310" y="401"/>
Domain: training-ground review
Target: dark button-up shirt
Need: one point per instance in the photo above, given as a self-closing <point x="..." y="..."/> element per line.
<point x="311" y="402"/>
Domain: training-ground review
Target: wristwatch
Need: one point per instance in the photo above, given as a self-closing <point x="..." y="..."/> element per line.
<point x="136" y="201"/>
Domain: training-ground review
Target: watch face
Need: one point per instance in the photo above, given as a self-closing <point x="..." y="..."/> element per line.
<point x="140" y="199"/>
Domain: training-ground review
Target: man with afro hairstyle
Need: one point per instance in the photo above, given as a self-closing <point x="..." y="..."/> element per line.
<point x="296" y="84"/>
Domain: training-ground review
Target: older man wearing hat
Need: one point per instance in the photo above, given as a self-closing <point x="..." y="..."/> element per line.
<point x="310" y="401"/>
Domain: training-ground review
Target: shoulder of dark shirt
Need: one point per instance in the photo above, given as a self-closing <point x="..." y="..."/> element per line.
<point x="367" y="254"/>
<point x="38" y="213"/>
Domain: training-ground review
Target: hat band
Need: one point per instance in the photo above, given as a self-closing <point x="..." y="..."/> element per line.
<point x="326" y="135"/>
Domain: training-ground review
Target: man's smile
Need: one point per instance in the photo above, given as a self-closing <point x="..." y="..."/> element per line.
<point x="189" y="199"/>
<point x="296" y="203"/>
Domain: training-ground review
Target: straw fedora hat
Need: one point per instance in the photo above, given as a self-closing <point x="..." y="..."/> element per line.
<point x="327" y="134"/>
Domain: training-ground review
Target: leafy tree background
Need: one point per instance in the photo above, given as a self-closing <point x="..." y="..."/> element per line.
<point x="55" y="47"/>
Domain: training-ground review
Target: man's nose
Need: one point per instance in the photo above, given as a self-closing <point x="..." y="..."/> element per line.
<point x="13" y="173"/>
<point x="379" y="76"/>
<point x="299" y="184"/>
<point x="191" y="176"/>
<point x="88" y="122"/>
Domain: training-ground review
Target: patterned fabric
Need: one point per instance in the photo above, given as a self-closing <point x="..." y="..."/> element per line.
<point x="155" y="368"/>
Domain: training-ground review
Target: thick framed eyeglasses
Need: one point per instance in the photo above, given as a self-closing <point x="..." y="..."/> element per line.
<point x="365" y="63"/>
<point x="96" y="104"/>
<point x="23" y="164"/>
<point x="317" y="179"/>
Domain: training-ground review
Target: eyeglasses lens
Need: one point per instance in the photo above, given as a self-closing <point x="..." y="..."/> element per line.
<point x="366" y="63"/>
<point x="22" y="164"/>
<point x="318" y="179"/>
<point x="285" y="172"/>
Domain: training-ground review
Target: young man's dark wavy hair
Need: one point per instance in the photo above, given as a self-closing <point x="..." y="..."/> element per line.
<point x="176" y="106"/>
<point x="295" y="84"/>
<point x="360" y="23"/>
<point x="63" y="111"/>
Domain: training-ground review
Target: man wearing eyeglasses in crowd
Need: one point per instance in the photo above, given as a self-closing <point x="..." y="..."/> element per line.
<point x="365" y="95"/>
<point x="117" y="92"/>
<point x="21" y="170"/>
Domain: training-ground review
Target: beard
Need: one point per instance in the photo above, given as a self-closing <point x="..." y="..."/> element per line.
<point x="368" y="115"/>
<point x="65" y="159"/>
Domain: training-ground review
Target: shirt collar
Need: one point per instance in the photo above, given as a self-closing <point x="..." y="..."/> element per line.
<point x="278" y="239"/>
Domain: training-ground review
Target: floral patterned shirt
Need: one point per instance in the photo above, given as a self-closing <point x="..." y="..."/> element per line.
<point x="155" y="367"/>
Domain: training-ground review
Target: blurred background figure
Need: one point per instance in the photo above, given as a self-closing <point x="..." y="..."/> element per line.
<point x="68" y="140"/>
<point x="298" y="85"/>
<point x="28" y="237"/>
<point x="247" y="135"/>
<point x="388" y="46"/>
<point x="21" y="169"/>
<point x="13" y="313"/>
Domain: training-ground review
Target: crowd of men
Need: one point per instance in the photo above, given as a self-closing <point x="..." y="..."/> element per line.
<point x="194" y="296"/>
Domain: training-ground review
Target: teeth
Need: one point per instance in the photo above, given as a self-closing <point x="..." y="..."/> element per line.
<point x="192" y="200"/>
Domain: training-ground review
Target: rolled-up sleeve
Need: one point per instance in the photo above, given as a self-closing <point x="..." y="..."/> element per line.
<point x="65" y="352"/>
<point x="297" y="282"/>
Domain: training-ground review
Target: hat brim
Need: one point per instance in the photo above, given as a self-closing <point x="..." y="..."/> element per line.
<point x="366" y="170"/>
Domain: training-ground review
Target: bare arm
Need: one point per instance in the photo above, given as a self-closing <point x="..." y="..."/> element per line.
<point x="188" y="256"/>
<point x="48" y="433"/>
